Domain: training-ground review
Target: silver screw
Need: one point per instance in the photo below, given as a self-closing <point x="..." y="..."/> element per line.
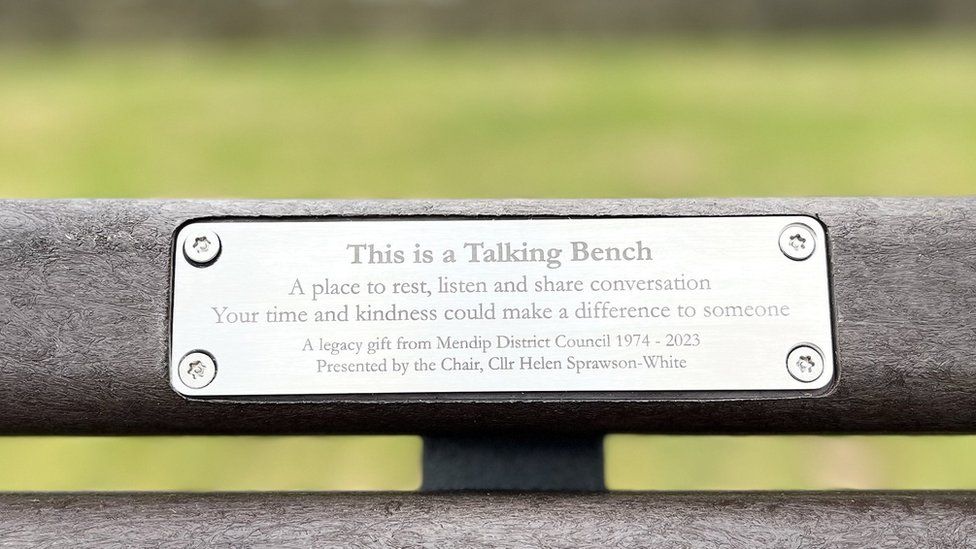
<point x="805" y="363"/>
<point x="797" y="241"/>
<point x="197" y="370"/>
<point x="201" y="247"/>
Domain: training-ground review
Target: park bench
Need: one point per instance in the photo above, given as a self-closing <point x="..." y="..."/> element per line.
<point x="87" y="347"/>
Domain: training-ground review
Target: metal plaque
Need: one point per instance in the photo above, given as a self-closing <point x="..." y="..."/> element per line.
<point x="331" y="307"/>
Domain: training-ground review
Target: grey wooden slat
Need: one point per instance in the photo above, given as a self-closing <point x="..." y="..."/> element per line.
<point x="84" y="292"/>
<point x="730" y="520"/>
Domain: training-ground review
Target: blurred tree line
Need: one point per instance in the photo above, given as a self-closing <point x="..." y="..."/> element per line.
<point x="70" y="20"/>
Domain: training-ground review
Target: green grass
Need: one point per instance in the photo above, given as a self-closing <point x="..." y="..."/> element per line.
<point x="790" y="462"/>
<point x="679" y="117"/>
<point x="210" y="463"/>
<point x="814" y="115"/>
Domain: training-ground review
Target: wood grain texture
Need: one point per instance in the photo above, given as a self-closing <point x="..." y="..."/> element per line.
<point x="724" y="520"/>
<point x="84" y="293"/>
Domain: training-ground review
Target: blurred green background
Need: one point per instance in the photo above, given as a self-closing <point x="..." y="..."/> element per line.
<point x="683" y="116"/>
<point x="101" y="99"/>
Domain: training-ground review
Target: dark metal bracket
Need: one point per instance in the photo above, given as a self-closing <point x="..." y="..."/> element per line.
<point x="515" y="463"/>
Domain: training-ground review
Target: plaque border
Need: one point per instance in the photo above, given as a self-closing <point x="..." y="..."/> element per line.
<point x="386" y="398"/>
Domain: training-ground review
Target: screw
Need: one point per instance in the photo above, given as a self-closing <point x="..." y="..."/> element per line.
<point x="201" y="248"/>
<point x="197" y="369"/>
<point x="797" y="241"/>
<point x="805" y="363"/>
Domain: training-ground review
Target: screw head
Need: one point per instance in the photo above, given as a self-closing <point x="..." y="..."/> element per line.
<point x="805" y="363"/>
<point x="197" y="370"/>
<point x="797" y="241"/>
<point x="201" y="248"/>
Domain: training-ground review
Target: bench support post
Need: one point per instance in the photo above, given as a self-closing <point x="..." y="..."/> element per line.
<point x="513" y="462"/>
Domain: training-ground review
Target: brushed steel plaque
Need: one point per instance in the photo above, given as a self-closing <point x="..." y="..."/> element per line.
<point x="331" y="307"/>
